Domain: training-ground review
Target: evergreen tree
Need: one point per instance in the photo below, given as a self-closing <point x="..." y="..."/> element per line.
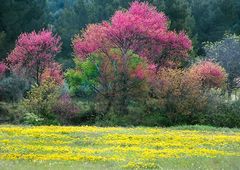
<point x="73" y="18"/>
<point x="18" y="16"/>
<point x="214" y="18"/>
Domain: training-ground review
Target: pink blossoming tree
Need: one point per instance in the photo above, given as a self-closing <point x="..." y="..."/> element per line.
<point x="140" y="31"/>
<point x="33" y="53"/>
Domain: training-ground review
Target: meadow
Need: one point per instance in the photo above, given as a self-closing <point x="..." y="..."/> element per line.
<point x="120" y="84"/>
<point x="91" y="147"/>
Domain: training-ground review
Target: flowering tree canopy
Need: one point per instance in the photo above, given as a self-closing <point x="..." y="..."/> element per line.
<point x="211" y="74"/>
<point x="33" y="53"/>
<point x="141" y="29"/>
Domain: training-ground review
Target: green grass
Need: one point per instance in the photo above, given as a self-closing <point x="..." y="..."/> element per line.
<point x="205" y="128"/>
<point x="13" y="140"/>
<point x="220" y="163"/>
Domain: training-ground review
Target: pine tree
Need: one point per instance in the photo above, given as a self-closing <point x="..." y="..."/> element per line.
<point x="17" y="17"/>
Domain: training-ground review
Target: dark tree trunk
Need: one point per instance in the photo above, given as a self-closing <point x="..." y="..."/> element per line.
<point x="37" y="74"/>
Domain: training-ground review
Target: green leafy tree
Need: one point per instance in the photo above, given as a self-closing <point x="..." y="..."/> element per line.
<point x="226" y="52"/>
<point x="41" y="100"/>
<point x="213" y="18"/>
<point x="83" y="79"/>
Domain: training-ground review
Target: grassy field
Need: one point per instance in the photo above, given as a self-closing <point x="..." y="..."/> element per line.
<point x="88" y="147"/>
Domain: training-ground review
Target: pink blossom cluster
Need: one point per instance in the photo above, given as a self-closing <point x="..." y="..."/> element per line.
<point x="144" y="71"/>
<point x="139" y="72"/>
<point x="211" y="73"/>
<point x="92" y="40"/>
<point x="141" y="28"/>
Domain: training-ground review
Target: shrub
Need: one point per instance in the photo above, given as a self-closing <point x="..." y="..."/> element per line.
<point x="41" y="99"/>
<point x="4" y="113"/>
<point x="13" y="88"/>
<point x="221" y="113"/>
<point x="178" y="95"/>
<point x="211" y="74"/>
<point x="10" y="113"/>
<point x="32" y="119"/>
<point x="82" y="79"/>
<point x="226" y="52"/>
<point x="65" y="109"/>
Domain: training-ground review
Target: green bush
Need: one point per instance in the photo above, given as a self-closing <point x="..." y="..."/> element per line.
<point x="32" y="119"/>
<point x="222" y="114"/>
<point x="82" y="79"/>
<point x="41" y="99"/>
<point x="36" y="120"/>
<point x="13" y="88"/>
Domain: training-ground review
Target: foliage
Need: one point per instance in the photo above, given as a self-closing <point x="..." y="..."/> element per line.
<point x="218" y="17"/>
<point x="221" y="113"/>
<point x="226" y="52"/>
<point x="64" y="15"/>
<point x="53" y="73"/>
<point x="13" y="88"/>
<point x="82" y="79"/>
<point x="32" y="119"/>
<point x="123" y="49"/>
<point x="178" y="95"/>
<point x="9" y="113"/>
<point x="132" y="69"/>
<point x="67" y="17"/>
<point x="3" y="69"/>
<point x="64" y="21"/>
<point x="33" y="53"/>
<point x="157" y="43"/>
<point x="17" y="17"/>
<point x="180" y="15"/>
<point x="41" y="99"/>
<point x="65" y="109"/>
<point x="212" y="75"/>
<point x="100" y="78"/>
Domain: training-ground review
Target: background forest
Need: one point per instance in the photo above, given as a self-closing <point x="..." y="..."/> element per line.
<point x="202" y="20"/>
<point x="202" y="89"/>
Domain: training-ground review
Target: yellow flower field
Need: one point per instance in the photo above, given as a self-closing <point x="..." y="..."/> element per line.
<point x="118" y="147"/>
